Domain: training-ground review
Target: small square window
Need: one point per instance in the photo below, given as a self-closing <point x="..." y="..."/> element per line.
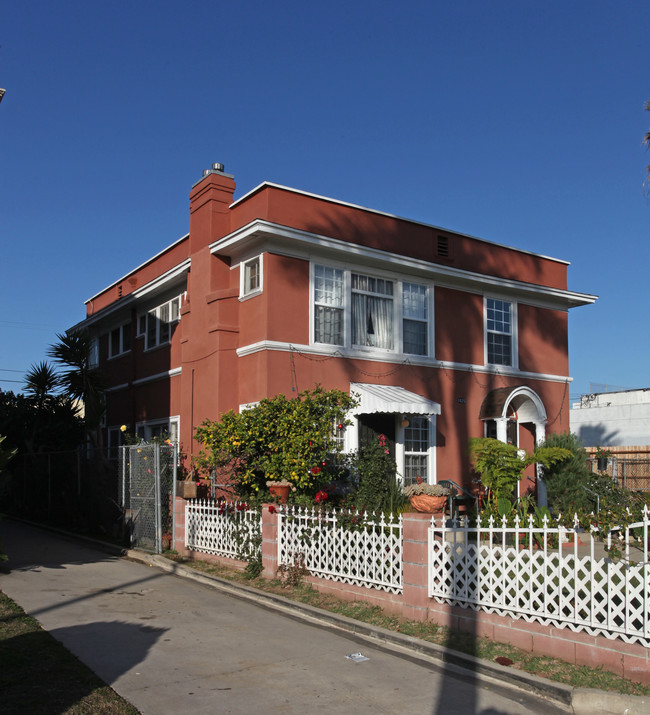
<point x="252" y="278"/>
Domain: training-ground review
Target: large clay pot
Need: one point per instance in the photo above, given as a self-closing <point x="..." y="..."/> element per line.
<point x="427" y="503"/>
<point x="280" y="491"/>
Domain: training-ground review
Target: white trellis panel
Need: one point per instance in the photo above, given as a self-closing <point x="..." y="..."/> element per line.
<point x="368" y="554"/>
<point x="530" y="573"/>
<point x="216" y="527"/>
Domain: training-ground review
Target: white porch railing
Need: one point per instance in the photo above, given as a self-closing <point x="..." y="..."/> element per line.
<point x="222" y="528"/>
<point x="365" y="553"/>
<point x="532" y="573"/>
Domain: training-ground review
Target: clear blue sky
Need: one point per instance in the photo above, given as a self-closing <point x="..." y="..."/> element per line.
<point x="519" y="122"/>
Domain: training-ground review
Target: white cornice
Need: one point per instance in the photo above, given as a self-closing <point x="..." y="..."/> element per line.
<point x="159" y="376"/>
<point x="142" y="265"/>
<point x="156" y="284"/>
<point x="291" y="241"/>
<point x="339" y="352"/>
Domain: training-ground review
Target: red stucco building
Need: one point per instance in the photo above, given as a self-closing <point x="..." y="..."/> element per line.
<point x="443" y="336"/>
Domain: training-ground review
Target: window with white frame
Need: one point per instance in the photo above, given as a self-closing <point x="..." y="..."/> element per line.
<point x="119" y="340"/>
<point x="329" y="305"/>
<point x="359" y="310"/>
<point x="415" y="311"/>
<point x="499" y="331"/>
<point x="251" y="278"/>
<point x="116" y="440"/>
<point x="158" y="430"/>
<point x="156" y="325"/>
<point x="372" y="311"/>
<point x="416" y="449"/>
<point x="93" y="353"/>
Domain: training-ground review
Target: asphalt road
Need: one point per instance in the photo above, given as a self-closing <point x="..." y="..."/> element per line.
<point x="170" y="645"/>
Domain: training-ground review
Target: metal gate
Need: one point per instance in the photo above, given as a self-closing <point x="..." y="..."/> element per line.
<point x="148" y="472"/>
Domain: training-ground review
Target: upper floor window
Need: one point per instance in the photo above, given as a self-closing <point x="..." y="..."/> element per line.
<point x="119" y="340"/>
<point x="156" y="325"/>
<point x="359" y="310"/>
<point x="158" y="430"/>
<point x="93" y="353"/>
<point x="251" y="279"/>
<point x="415" y="310"/>
<point x="499" y="331"/>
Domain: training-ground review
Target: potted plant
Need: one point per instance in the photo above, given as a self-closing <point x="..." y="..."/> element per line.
<point x="280" y="489"/>
<point x="602" y="458"/>
<point x="427" y="498"/>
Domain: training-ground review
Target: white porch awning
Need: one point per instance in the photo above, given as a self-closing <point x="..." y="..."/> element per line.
<point x="388" y="398"/>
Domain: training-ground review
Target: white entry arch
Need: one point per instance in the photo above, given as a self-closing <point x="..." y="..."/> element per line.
<point x="520" y="403"/>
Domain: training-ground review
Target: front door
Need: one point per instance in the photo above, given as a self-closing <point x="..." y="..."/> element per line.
<point x="371" y="426"/>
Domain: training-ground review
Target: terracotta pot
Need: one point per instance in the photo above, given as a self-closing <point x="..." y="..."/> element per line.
<point x="427" y="503"/>
<point x="280" y="491"/>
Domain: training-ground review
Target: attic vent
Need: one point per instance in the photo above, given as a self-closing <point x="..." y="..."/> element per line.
<point x="119" y="291"/>
<point x="442" y="249"/>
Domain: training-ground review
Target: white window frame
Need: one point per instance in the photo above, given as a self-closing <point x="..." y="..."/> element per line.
<point x="512" y="334"/>
<point x="93" y="353"/>
<point x="398" y="311"/>
<point x="113" y="444"/>
<point x="149" y="429"/>
<point x="163" y="334"/>
<point x="400" y="447"/>
<point x="246" y="290"/>
<point x="121" y="350"/>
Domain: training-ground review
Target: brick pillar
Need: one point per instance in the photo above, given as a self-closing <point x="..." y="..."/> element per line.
<point x="269" y="540"/>
<point x="415" y="560"/>
<point x="179" y="526"/>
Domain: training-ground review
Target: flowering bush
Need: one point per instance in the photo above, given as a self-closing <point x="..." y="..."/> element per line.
<point x="277" y="440"/>
<point x="376" y="472"/>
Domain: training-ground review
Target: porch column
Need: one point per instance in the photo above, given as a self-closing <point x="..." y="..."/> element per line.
<point x="502" y="429"/>
<point x="542" y="495"/>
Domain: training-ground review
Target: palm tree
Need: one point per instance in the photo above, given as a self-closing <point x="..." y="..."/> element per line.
<point x="40" y="383"/>
<point x="81" y="380"/>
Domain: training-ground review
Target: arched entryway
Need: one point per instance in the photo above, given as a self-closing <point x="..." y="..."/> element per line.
<point x="517" y="415"/>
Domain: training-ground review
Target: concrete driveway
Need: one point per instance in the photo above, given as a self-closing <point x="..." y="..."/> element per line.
<point x="171" y="645"/>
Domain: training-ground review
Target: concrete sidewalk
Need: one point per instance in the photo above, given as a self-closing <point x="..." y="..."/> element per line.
<point x="198" y="643"/>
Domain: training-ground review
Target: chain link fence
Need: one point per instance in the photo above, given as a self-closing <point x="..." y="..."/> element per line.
<point x="148" y="489"/>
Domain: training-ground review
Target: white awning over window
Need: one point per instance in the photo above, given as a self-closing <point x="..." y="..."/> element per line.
<point x="387" y="398"/>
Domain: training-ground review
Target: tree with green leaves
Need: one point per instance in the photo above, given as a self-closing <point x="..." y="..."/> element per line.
<point x="501" y="466"/>
<point x="567" y="481"/>
<point x="277" y="439"/>
<point x="80" y="380"/>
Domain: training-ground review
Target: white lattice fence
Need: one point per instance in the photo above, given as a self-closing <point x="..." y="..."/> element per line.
<point x="223" y="528"/>
<point x="532" y="573"/>
<point x="344" y="546"/>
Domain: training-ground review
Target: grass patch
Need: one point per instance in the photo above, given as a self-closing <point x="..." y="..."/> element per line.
<point x="552" y="668"/>
<point x="38" y="675"/>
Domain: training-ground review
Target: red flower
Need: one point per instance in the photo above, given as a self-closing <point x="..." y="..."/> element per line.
<point x="272" y="509"/>
<point x="315" y="470"/>
<point x="382" y="440"/>
<point x="320" y="497"/>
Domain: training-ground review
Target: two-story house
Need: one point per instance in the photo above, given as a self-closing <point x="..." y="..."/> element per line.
<point x="442" y="336"/>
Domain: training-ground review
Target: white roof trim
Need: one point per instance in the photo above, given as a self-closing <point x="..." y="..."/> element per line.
<point x="312" y="244"/>
<point x="389" y="398"/>
<point x="142" y="265"/>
